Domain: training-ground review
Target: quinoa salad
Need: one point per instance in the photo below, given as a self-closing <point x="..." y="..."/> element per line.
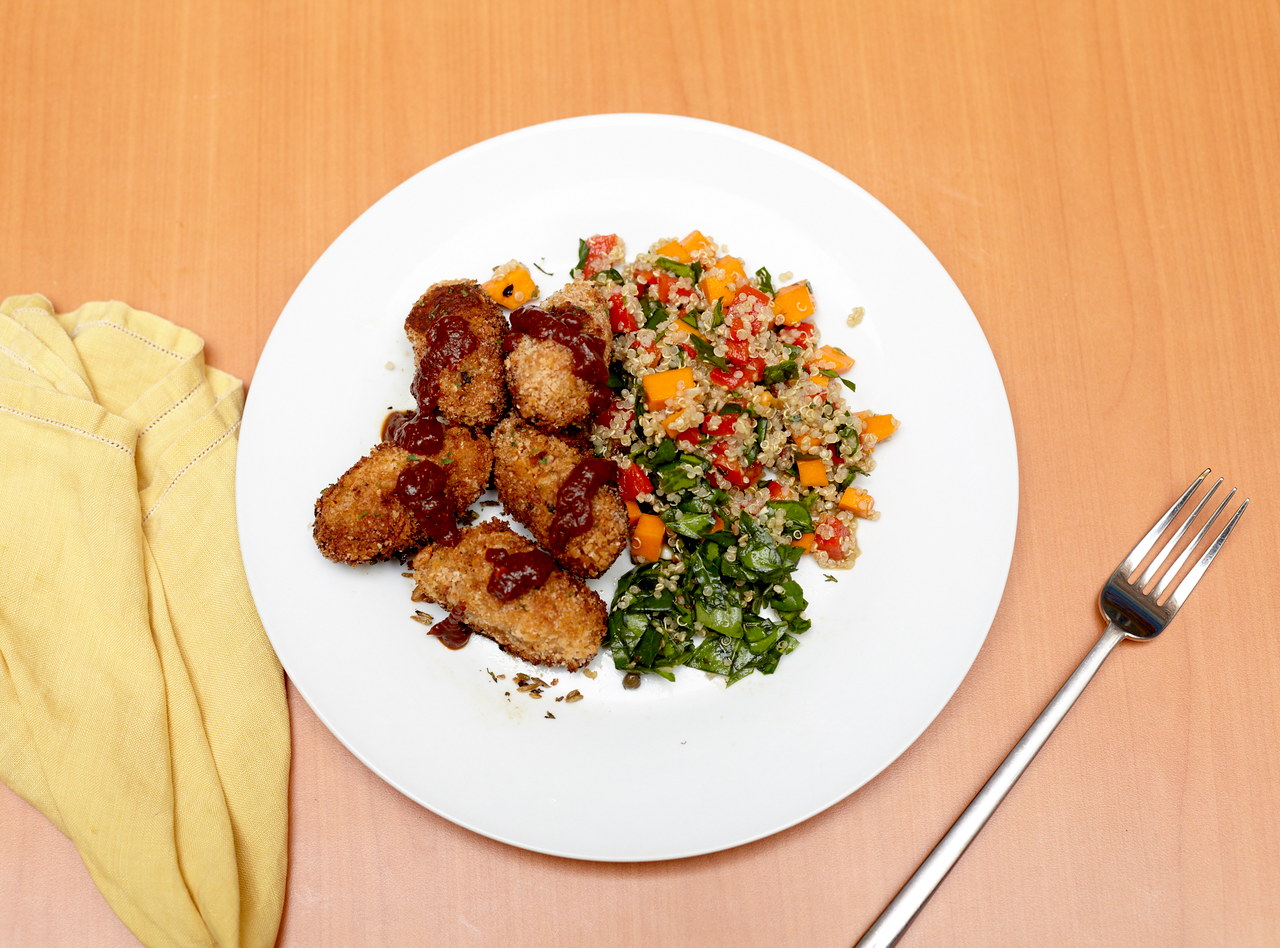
<point x="738" y="453"/>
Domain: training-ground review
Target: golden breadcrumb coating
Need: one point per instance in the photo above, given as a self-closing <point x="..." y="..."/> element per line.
<point x="360" y="520"/>
<point x="528" y="468"/>
<point x="544" y="387"/>
<point x="562" y="622"/>
<point x="473" y="390"/>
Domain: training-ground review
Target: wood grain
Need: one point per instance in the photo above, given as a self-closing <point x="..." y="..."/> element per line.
<point x="1101" y="181"/>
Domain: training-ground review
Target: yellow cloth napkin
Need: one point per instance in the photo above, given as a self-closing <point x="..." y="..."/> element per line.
<point x="141" y="706"/>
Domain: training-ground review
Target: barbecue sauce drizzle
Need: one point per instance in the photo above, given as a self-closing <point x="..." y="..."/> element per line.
<point x="515" y="574"/>
<point x="447" y="340"/>
<point x="576" y="498"/>
<point x="565" y="325"/>
<point x="415" y="432"/>
<point x="421" y="489"/>
<point x="452" y="631"/>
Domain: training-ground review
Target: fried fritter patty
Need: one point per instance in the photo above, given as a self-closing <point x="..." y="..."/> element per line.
<point x="528" y="467"/>
<point x="544" y="387"/>
<point x="359" y="519"/>
<point x="560" y="623"/>
<point x="466" y="387"/>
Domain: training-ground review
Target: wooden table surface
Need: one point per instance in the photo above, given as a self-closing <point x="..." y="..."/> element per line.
<point x="1101" y="181"/>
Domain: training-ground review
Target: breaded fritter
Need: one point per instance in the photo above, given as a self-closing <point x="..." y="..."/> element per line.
<point x="545" y="389"/>
<point x="456" y="331"/>
<point x="562" y="622"/>
<point x="529" y="466"/>
<point x="359" y="519"/>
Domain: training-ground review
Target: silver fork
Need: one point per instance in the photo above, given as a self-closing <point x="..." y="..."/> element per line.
<point x="1134" y="609"/>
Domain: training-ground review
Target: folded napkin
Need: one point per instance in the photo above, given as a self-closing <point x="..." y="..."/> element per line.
<point x="142" y="709"/>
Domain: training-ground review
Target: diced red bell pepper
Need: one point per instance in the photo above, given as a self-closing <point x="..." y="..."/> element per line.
<point x="737" y="351"/>
<point x="732" y="470"/>
<point x="689" y="436"/>
<point x="832" y="545"/>
<point x="797" y="334"/>
<point x="666" y="282"/>
<point x="719" y="425"/>
<point x="633" y="481"/>
<point x="598" y="249"/>
<point x="753" y="304"/>
<point x="651" y="353"/>
<point x="778" y="492"/>
<point x="750" y="292"/>
<point x="747" y="374"/>
<point x="620" y="318"/>
<point x="612" y="412"/>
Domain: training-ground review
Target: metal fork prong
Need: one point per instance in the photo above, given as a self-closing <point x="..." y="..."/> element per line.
<point x="1149" y="573"/>
<point x="1191" y="547"/>
<point x="1139" y="552"/>
<point x="1189" y="581"/>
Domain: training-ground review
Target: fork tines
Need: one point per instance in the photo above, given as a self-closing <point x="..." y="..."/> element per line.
<point x="1148" y="542"/>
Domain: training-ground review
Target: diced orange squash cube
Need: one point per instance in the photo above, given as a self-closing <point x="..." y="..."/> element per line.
<point x="680" y="328"/>
<point x="808" y="443"/>
<point x="812" y="473"/>
<point x="858" y="501"/>
<point x="673" y="250"/>
<point x="511" y="289"/>
<point x="829" y="357"/>
<point x="882" y="426"/>
<point x="695" y="244"/>
<point x="794" y="303"/>
<point x="633" y="512"/>
<point x="671" y="424"/>
<point x="805" y="542"/>
<point x="647" y="537"/>
<point x="764" y="400"/>
<point x="661" y="387"/>
<point x="722" y="286"/>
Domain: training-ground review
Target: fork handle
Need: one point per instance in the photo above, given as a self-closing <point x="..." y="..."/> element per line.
<point x="911" y="898"/>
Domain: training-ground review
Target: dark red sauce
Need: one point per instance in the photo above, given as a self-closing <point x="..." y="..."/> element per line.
<point x="574" y="499"/>
<point x="514" y="574"/>
<point x="421" y="489"/>
<point x="415" y="432"/>
<point x="447" y="340"/>
<point x="452" y="631"/>
<point x="565" y="325"/>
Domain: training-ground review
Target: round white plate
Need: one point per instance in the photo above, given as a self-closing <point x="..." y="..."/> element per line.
<point x="668" y="770"/>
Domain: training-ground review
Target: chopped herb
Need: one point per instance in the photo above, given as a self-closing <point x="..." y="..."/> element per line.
<point x="829" y="578"/>
<point x="655" y="313"/>
<point x="707" y="354"/>
<point x="547" y="272"/>
<point x="610" y="276"/>
<point x="787" y="371"/>
<point x="765" y="280"/>
<point x="584" y="251"/>
<point x="676" y="268"/>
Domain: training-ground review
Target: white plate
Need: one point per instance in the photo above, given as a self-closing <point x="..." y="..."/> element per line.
<point x="668" y="770"/>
